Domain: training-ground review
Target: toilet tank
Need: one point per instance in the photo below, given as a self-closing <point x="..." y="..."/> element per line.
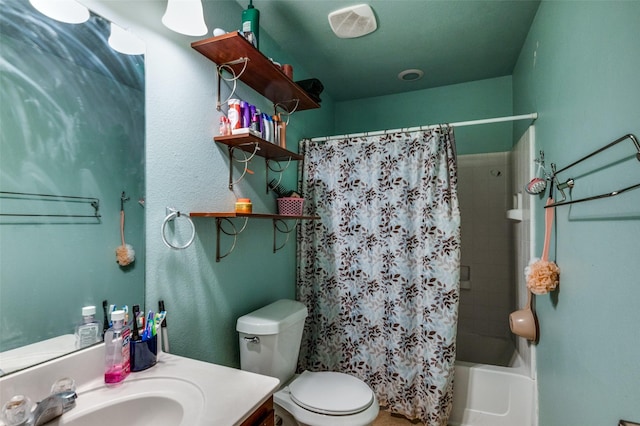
<point x="270" y="339"/>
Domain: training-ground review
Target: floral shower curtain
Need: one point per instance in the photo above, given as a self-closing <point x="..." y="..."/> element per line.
<point x="379" y="272"/>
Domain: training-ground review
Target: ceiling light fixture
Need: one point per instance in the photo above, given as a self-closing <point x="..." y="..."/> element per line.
<point x="353" y="21"/>
<point x="67" y="11"/>
<point x="411" y="75"/>
<point x="185" y="17"/>
<point x="124" y="41"/>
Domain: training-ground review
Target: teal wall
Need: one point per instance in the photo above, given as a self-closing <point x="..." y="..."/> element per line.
<point x="579" y="71"/>
<point x="461" y="102"/>
<point x="188" y="171"/>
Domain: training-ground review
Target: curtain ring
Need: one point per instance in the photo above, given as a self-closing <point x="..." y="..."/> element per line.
<point x="172" y="214"/>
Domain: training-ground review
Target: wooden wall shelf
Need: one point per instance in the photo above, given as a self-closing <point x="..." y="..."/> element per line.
<point x="268" y="150"/>
<point x="260" y="74"/>
<point x="250" y="215"/>
<point x="279" y="226"/>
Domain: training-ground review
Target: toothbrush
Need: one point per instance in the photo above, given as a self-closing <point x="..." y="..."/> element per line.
<point x="163" y="327"/>
<point x="147" y="330"/>
<point x="159" y="319"/>
<point x="105" y="324"/>
<point x="136" y="312"/>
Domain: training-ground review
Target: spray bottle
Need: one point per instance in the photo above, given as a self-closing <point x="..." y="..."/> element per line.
<point x="251" y="23"/>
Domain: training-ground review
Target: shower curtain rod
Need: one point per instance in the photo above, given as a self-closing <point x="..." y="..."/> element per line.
<point x="531" y="116"/>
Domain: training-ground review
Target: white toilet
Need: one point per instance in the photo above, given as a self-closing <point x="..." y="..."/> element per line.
<point x="270" y="343"/>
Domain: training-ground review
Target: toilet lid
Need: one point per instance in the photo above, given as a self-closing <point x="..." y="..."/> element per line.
<point x="331" y="393"/>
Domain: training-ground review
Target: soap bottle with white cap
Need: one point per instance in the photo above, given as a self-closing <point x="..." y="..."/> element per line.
<point x="116" y="346"/>
<point x="88" y="332"/>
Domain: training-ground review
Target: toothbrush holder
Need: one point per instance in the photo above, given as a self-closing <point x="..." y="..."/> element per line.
<point x="143" y="353"/>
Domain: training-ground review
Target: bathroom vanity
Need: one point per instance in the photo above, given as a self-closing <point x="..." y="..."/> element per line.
<point x="176" y="391"/>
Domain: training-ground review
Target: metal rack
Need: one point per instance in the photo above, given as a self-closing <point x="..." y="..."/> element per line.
<point x="570" y="182"/>
<point x="26" y="196"/>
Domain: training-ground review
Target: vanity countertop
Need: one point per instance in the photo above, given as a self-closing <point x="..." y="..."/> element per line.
<point x="210" y="394"/>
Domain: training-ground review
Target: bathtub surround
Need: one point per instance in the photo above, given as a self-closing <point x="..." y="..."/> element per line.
<point x="487" y="298"/>
<point x="379" y="272"/>
<point x="522" y="169"/>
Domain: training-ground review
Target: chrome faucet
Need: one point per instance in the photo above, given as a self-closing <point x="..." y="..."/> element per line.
<point x="19" y="411"/>
<point x="52" y="406"/>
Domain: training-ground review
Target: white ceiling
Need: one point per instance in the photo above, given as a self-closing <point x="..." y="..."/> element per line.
<point x="452" y="41"/>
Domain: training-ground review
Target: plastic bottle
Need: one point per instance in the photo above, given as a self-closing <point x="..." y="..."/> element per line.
<point x="234" y="113"/>
<point x="88" y="332"/>
<point x="251" y="23"/>
<point x="116" y="343"/>
<point x="282" y="132"/>
<point x="225" y="127"/>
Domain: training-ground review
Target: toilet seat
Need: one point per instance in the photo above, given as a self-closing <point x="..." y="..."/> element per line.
<point x="330" y="393"/>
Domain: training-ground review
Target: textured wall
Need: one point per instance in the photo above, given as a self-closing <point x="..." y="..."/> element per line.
<point x="460" y="102"/>
<point x="188" y="171"/>
<point x="579" y="71"/>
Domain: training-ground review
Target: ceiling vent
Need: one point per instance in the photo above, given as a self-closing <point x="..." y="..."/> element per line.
<point x="353" y="21"/>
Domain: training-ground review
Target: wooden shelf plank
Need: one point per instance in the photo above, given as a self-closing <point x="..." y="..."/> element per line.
<point x="260" y="74"/>
<point x="231" y="215"/>
<point x="246" y="142"/>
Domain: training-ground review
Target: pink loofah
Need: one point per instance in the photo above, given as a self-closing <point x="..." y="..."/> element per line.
<point x="542" y="276"/>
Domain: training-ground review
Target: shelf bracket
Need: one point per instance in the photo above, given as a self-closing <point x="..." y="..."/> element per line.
<point x="295" y="102"/>
<point x="233" y="233"/>
<point x="278" y="170"/>
<point x="234" y="79"/>
<point x="244" y="161"/>
<point x="279" y="225"/>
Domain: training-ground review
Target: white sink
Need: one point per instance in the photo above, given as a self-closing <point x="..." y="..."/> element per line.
<point x="177" y="391"/>
<point x="145" y="401"/>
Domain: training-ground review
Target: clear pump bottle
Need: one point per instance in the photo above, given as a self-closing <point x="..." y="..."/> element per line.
<point x="116" y="343"/>
<point x="88" y="332"/>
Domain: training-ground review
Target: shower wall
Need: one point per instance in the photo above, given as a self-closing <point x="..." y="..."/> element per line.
<point x="522" y="170"/>
<point x="487" y="294"/>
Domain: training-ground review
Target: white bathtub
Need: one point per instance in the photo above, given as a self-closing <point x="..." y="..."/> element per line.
<point x="487" y="395"/>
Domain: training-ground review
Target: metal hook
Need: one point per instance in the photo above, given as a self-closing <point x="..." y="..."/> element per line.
<point x="123" y="198"/>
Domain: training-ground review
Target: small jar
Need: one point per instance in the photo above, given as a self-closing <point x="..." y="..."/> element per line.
<point x="287" y="69"/>
<point x="243" y="205"/>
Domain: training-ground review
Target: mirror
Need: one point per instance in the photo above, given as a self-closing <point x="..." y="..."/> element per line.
<point x="72" y="132"/>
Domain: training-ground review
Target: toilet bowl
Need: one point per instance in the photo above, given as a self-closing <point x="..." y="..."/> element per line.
<point x="325" y="399"/>
<point x="269" y="341"/>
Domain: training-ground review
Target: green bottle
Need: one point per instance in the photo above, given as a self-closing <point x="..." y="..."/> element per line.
<point x="250" y="24"/>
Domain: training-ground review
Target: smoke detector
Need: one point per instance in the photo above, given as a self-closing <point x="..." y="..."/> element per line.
<point x="353" y="21"/>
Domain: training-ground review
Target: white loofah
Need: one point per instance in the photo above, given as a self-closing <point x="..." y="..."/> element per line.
<point x="125" y="255"/>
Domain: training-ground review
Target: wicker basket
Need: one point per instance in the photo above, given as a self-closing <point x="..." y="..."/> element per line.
<point x="290" y="206"/>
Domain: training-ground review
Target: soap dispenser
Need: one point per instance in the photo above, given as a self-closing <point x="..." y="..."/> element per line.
<point x="116" y="345"/>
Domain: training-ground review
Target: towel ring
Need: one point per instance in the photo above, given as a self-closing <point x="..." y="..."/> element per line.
<point x="171" y="215"/>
